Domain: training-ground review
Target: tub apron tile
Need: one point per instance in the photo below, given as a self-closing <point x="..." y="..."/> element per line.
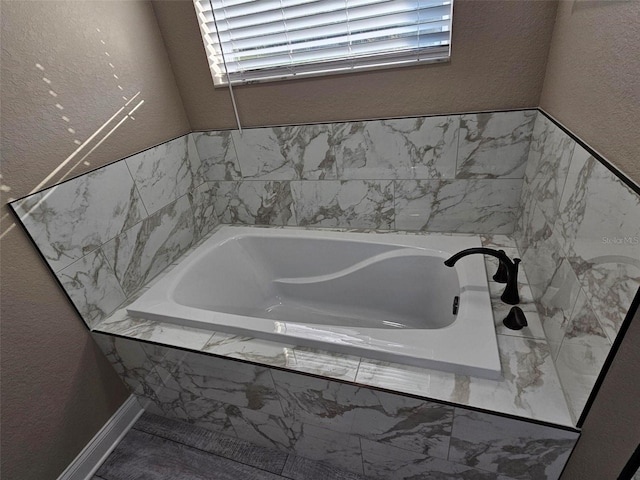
<point x="509" y="447"/>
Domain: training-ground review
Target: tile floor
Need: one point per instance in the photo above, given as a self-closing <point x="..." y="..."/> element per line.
<point x="157" y="448"/>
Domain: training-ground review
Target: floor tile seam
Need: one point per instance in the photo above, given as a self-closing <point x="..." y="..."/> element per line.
<point x="206" y="451"/>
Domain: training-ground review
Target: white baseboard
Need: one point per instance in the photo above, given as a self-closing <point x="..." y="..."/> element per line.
<point x="102" y="444"/>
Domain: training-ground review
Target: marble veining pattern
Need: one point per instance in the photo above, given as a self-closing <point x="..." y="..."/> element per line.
<point x="389" y="463"/>
<point x="164" y="173"/>
<point x="232" y="383"/>
<point x="579" y="231"/>
<point x="352" y="203"/>
<point x="203" y="210"/>
<point x="599" y="224"/>
<point x="526" y="451"/>
<point x="403" y="148"/>
<point x="218" y="157"/>
<point x="93" y="287"/>
<point x="74" y="218"/>
<point x="143" y="251"/>
<point x="260" y="154"/>
<point x="547" y="166"/>
<point x="406" y="423"/>
<point x="254" y="202"/>
<point x="473" y="206"/>
<point x="494" y="145"/>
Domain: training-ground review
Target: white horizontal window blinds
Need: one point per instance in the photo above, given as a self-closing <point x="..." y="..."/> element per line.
<point x="261" y="40"/>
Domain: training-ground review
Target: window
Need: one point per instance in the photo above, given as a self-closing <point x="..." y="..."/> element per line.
<point x="260" y="40"/>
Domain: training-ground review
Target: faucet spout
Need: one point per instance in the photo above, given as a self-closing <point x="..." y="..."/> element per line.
<point x="510" y="295"/>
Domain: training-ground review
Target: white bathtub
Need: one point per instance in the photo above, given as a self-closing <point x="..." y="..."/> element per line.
<point x="382" y="296"/>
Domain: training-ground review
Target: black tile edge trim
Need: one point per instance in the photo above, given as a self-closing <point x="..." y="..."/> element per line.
<point x="611" y="167"/>
<point x="346" y="382"/>
<point x="375" y="119"/>
<point x="12" y="202"/>
<point x="46" y="264"/>
<point x="633" y="309"/>
<point x="632" y="466"/>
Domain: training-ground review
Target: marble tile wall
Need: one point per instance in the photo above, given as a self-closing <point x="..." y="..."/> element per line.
<point x="373" y="433"/>
<point x="108" y="232"/>
<point x="578" y="231"/>
<point x="452" y="173"/>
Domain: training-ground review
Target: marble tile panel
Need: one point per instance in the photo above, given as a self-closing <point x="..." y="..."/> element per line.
<point x="334" y="448"/>
<point x="92" y="286"/>
<point x="253" y="202"/>
<point x="494" y="145"/>
<point x="542" y="259"/>
<point x="583" y="352"/>
<point x="269" y="431"/>
<point x="223" y="380"/>
<point x="163" y="173"/>
<point x="300" y="468"/>
<point x="533" y="229"/>
<point x="547" y="165"/>
<point x="203" y="200"/>
<point x="195" y="162"/>
<point x="180" y="404"/>
<point x="212" y="442"/>
<point x="351" y="203"/>
<point x="401" y="148"/>
<point x="404" y="422"/>
<point x="583" y="327"/>
<point x="557" y="303"/>
<point x="217" y="155"/>
<point x="276" y="354"/>
<point x="530" y="385"/>
<point x="383" y="462"/>
<point x="309" y="148"/>
<point x="599" y="224"/>
<point x="149" y="247"/>
<point x="140" y="455"/>
<point x="509" y="447"/>
<point x="74" y="218"/>
<point x="130" y="363"/>
<point x="262" y="155"/>
<point x="318" y="401"/>
<point x="462" y="206"/>
<point x="525" y="225"/>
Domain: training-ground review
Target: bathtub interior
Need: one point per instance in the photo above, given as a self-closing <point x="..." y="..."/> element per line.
<point x="322" y="281"/>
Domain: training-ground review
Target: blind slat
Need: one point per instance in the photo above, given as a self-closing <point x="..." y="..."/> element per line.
<point x="267" y="39"/>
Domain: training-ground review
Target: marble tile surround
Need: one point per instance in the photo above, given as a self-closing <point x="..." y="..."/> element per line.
<point x="460" y="173"/>
<point x="107" y="233"/>
<point x="579" y="233"/>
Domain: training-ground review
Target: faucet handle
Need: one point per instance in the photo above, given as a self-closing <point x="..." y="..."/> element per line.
<point x="501" y="274"/>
